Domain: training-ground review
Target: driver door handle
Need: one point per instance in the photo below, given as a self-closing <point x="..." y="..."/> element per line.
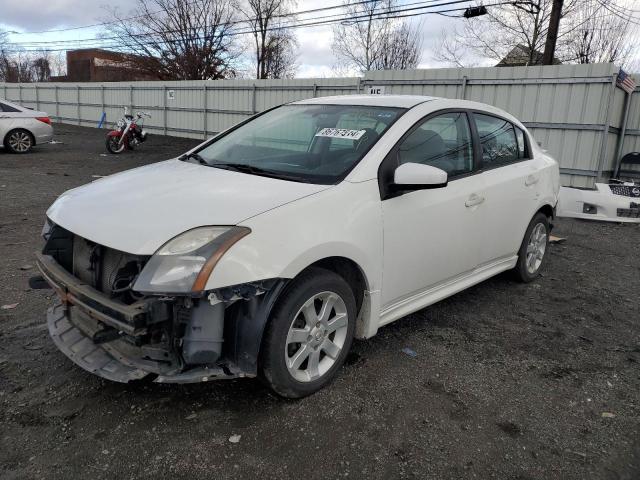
<point x="473" y="200"/>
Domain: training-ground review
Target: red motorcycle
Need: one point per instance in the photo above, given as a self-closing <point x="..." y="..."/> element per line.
<point x="128" y="133"/>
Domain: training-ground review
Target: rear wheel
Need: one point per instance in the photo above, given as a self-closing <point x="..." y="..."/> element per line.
<point x="19" y="141"/>
<point x="114" y="146"/>
<point x="532" y="253"/>
<point x="309" y="334"/>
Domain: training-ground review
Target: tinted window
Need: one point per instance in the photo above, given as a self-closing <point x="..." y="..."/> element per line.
<point x="443" y="141"/>
<point x="498" y="140"/>
<point x="7" y="108"/>
<point x="312" y="143"/>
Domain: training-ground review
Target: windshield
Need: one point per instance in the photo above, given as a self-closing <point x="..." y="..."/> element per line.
<point x="305" y="143"/>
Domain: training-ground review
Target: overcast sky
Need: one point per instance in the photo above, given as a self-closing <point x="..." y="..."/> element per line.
<point x="315" y="58"/>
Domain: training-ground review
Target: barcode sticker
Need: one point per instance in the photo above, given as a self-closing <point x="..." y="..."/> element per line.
<point x="341" y="133"/>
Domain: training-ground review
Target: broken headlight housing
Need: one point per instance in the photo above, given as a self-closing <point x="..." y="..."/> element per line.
<point x="184" y="263"/>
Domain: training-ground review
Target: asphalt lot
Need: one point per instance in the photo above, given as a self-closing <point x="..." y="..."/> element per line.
<point x="509" y="381"/>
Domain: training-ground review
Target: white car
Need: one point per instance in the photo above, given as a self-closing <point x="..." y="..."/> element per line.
<point x="21" y="128"/>
<point x="267" y="249"/>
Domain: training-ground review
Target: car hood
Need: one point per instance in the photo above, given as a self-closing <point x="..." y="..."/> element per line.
<point x="139" y="210"/>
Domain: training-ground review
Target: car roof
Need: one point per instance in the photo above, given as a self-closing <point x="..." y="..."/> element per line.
<point x="400" y="101"/>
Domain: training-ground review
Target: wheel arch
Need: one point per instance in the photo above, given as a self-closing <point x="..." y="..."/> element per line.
<point x="350" y="271"/>
<point x="547" y="209"/>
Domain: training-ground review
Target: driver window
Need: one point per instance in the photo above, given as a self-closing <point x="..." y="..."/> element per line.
<point x="443" y="142"/>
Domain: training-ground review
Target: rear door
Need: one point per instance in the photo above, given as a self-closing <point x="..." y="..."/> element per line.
<point x="510" y="179"/>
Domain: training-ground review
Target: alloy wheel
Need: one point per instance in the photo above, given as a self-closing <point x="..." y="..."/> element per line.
<point x="20" y="141"/>
<point x="316" y="336"/>
<point x="536" y="248"/>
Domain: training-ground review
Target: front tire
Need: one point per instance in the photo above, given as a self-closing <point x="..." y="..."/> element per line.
<point x="114" y="146"/>
<point x="532" y="253"/>
<point x="19" y="141"/>
<point x="309" y="334"/>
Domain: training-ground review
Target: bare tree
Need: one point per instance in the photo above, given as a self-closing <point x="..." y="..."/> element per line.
<point x="599" y="36"/>
<point x="40" y="69"/>
<point x="587" y="33"/>
<point x="374" y="40"/>
<point x="401" y="48"/>
<point x="279" y="56"/>
<point x="274" y="44"/>
<point x="179" y="39"/>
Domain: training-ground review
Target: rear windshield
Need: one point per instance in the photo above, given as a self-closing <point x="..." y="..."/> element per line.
<point x="307" y="143"/>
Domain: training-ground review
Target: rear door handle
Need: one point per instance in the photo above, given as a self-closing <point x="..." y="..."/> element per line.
<point x="531" y="180"/>
<point x="473" y="200"/>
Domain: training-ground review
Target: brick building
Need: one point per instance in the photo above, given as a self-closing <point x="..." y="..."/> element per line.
<point x="97" y="65"/>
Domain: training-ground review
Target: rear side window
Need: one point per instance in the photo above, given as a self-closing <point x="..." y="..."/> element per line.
<point x="522" y="144"/>
<point x="7" y="108"/>
<point x="498" y="140"/>
<point x="443" y="142"/>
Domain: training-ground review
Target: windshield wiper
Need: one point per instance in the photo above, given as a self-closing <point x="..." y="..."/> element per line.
<point x="244" y="168"/>
<point x="195" y="156"/>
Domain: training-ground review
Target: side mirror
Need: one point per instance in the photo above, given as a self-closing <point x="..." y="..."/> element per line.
<point x="416" y="176"/>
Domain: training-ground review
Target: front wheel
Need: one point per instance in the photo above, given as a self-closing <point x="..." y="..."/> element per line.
<point x="533" y="250"/>
<point x="309" y="334"/>
<point x="114" y="146"/>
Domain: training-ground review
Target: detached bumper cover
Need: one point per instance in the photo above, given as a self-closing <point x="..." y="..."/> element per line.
<point x="606" y="203"/>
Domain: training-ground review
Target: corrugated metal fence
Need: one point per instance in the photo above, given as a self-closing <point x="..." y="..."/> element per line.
<point x="574" y="111"/>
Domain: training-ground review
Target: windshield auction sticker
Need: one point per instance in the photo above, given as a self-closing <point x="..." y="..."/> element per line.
<point x="341" y="133"/>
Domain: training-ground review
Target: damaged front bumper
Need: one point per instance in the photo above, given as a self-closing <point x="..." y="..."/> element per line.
<point x="164" y="339"/>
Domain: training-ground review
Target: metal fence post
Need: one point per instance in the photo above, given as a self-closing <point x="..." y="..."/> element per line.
<point x="604" y="147"/>
<point x="164" y="110"/>
<point x="37" y="97"/>
<point x="204" y="107"/>
<point x="253" y="99"/>
<point x="57" y="105"/>
<point x="463" y="91"/>
<point x="131" y="99"/>
<point x="78" y="104"/>
<point x="315" y="90"/>
<point x="623" y="131"/>
<point x="102" y="103"/>
<point x="20" y="93"/>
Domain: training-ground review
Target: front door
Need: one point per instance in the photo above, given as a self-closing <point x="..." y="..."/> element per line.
<point x="432" y="236"/>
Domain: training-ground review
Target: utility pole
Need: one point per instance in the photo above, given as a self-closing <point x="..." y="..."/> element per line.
<point x="552" y="33"/>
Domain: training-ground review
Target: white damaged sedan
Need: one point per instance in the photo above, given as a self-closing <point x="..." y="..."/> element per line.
<point x="267" y="249"/>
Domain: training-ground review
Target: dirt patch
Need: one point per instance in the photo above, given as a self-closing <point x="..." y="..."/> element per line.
<point x="509" y="380"/>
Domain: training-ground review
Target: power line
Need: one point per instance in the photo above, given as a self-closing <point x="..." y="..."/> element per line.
<point x="244" y="21"/>
<point x="111" y="22"/>
<point x="355" y="19"/>
<point x="315" y="21"/>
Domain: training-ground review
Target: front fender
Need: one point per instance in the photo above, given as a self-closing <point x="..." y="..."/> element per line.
<point x="344" y="221"/>
<point x="114" y="133"/>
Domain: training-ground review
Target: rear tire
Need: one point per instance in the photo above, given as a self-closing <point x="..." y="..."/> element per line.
<point x="309" y="334"/>
<point x="534" y="248"/>
<point x="19" y="141"/>
<point x="113" y="145"/>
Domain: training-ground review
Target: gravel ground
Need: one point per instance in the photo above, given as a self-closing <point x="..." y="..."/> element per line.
<point x="509" y="381"/>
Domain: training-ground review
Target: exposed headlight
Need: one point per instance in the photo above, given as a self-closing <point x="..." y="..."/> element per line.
<point x="184" y="263"/>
